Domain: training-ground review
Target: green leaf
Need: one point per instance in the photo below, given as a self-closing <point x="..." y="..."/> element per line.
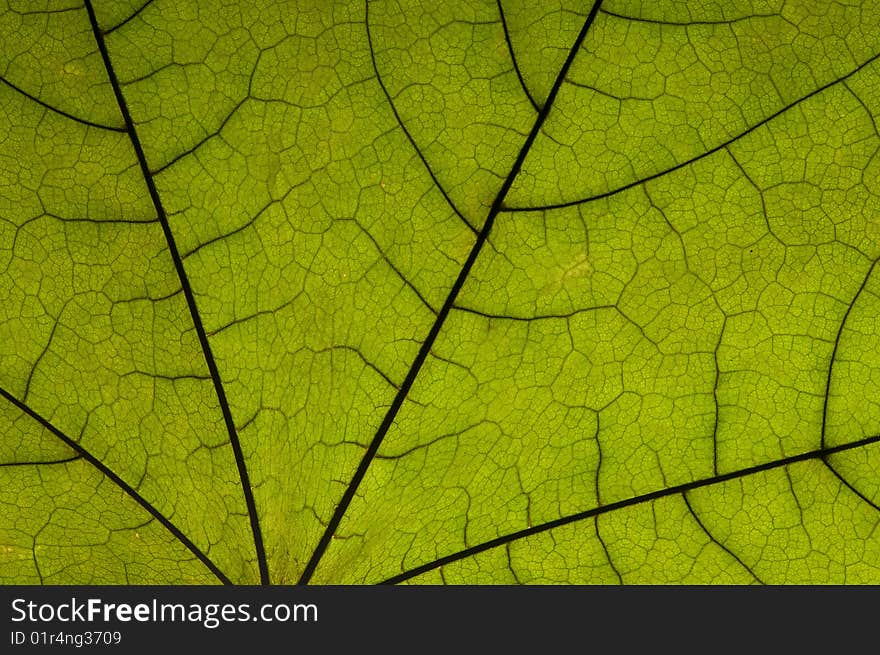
<point x="439" y="292"/>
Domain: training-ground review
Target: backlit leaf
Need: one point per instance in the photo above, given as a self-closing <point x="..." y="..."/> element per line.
<point x="481" y="291"/>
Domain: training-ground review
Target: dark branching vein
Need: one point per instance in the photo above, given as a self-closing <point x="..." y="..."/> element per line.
<point x="44" y="12"/>
<point x="607" y="94"/>
<point x="95" y="221"/>
<point x="190" y="299"/>
<point x="599" y="501"/>
<point x="819" y="454"/>
<point x="393" y="267"/>
<point x="667" y="171"/>
<point x="604" y="549"/>
<point x="432" y="442"/>
<point x="217" y="134"/>
<point x="128" y="18"/>
<point x="716" y="402"/>
<point x="519" y="76"/>
<point x="403" y="127"/>
<point x="716" y="542"/>
<point x="46" y="462"/>
<point x="509" y="567"/>
<point x="366" y="362"/>
<point x="39" y="358"/>
<point x="250" y="317"/>
<point x="241" y="228"/>
<point x="864" y="106"/>
<point x="425" y="349"/>
<point x="119" y="482"/>
<point x="60" y="112"/>
<point x="837" y="345"/>
<point x="536" y="317"/>
<point x="652" y="21"/>
<point x="849" y="486"/>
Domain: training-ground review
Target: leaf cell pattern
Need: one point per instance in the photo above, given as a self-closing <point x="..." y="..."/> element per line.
<point x="483" y="291"/>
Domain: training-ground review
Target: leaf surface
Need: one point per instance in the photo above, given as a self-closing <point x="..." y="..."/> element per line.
<point x="467" y="292"/>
